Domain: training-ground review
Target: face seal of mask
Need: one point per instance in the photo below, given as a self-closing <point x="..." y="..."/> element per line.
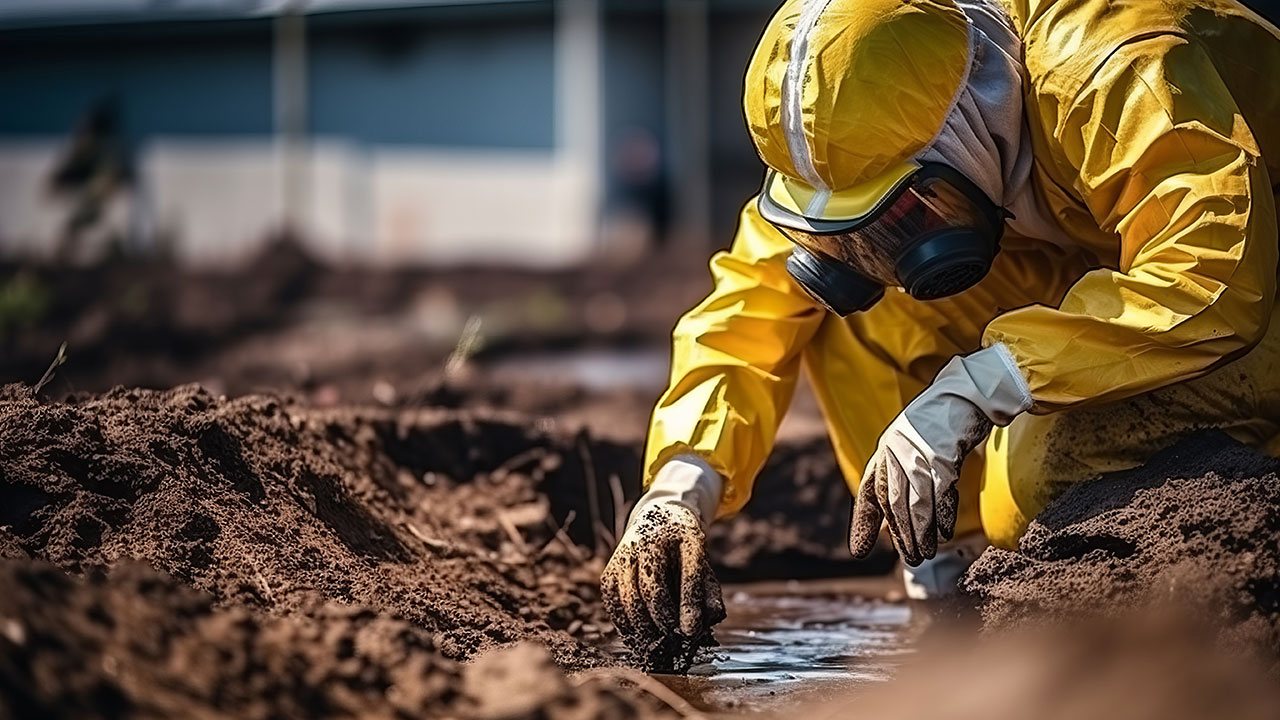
<point x="932" y="232"/>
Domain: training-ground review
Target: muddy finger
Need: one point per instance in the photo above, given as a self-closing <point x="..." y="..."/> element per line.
<point x="714" y="611"/>
<point x="865" y="519"/>
<point x="656" y="574"/>
<point x="891" y="491"/>
<point x="948" y="508"/>
<point x="693" y="589"/>
<point x="924" y="517"/>
<point x="612" y="599"/>
<point x="632" y="602"/>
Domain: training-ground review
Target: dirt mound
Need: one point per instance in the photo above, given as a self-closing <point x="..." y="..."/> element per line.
<point x="137" y="643"/>
<point x="267" y="505"/>
<point x="1197" y="526"/>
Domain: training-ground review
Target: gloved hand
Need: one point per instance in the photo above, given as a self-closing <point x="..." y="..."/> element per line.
<point x="658" y="581"/>
<point x="911" y="479"/>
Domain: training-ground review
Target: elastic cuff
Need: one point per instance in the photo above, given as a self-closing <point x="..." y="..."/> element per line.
<point x="1020" y="382"/>
<point x="686" y="480"/>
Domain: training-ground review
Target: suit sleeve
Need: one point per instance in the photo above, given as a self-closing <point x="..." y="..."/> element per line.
<point x="735" y="361"/>
<point x="1165" y="161"/>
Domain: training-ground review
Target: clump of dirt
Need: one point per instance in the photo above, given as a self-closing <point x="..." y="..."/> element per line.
<point x="1198" y="526"/>
<point x="137" y="643"/>
<point x="443" y="521"/>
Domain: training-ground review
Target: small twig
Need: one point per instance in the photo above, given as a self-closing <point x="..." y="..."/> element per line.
<point x="619" y="506"/>
<point x="513" y="533"/>
<point x="58" y="361"/>
<point x="559" y="535"/>
<point x="593" y="496"/>
<point x="535" y="453"/>
<point x="468" y="344"/>
<point x="425" y="538"/>
<point x="644" y="683"/>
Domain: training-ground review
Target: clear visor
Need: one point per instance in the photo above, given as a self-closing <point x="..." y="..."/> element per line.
<point x="924" y="205"/>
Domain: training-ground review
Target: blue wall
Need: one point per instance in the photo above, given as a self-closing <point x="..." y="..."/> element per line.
<point x="428" y="77"/>
<point x="173" y="83"/>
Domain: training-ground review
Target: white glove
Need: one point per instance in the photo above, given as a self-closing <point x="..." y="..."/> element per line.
<point x="910" y="481"/>
<point x="664" y="549"/>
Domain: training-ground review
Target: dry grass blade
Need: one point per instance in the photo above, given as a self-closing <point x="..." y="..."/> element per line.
<point x="519" y="460"/>
<point x="425" y="538"/>
<point x="559" y="535"/>
<point x="468" y="343"/>
<point x="58" y="361"/>
<point x="604" y="539"/>
<point x="513" y="532"/>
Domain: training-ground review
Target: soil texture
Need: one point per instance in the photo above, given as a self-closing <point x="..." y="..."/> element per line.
<point x="263" y="505"/>
<point x="1198" y="528"/>
<point x="261" y="539"/>
<point x="136" y="643"/>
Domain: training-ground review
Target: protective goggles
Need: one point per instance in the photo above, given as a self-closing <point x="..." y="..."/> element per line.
<point x="925" y="227"/>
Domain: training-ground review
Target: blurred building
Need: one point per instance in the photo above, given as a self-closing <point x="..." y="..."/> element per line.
<point x="537" y="132"/>
<point x="531" y="131"/>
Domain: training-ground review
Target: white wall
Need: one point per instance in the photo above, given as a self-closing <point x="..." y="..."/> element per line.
<point x="30" y="218"/>
<point x="218" y="198"/>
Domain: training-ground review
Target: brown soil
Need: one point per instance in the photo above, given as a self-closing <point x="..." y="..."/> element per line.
<point x="282" y="535"/>
<point x="264" y="504"/>
<point x="341" y="337"/>
<point x="285" y="321"/>
<point x="312" y="563"/>
<point x="137" y="643"/>
<point x="1197" y="527"/>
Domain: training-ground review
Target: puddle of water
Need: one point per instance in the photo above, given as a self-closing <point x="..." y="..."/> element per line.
<point x="778" y="649"/>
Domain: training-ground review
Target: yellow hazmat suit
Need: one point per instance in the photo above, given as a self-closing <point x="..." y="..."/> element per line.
<point x="1156" y="134"/>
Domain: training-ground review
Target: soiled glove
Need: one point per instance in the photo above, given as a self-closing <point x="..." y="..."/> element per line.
<point x="658" y="581"/>
<point x="911" y="480"/>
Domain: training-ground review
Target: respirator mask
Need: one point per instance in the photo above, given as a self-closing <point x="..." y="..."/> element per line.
<point x="923" y="226"/>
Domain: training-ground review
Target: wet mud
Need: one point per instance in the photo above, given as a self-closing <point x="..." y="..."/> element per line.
<point x="790" y="644"/>
<point x="1197" y="528"/>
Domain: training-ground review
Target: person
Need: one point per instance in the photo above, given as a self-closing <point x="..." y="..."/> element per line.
<point x="91" y="177"/>
<point x="1015" y="245"/>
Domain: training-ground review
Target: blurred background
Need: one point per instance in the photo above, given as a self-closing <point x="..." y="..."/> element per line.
<point x="535" y="132"/>
<point x="454" y="202"/>
<point x="366" y="201"/>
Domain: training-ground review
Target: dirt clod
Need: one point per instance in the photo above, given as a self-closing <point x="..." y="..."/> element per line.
<point x="1198" y="527"/>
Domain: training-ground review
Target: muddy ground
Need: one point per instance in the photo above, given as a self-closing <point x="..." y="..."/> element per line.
<point x="370" y="546"/>
<point x="391" y="495"/>
<point x="1197" y="527"/>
